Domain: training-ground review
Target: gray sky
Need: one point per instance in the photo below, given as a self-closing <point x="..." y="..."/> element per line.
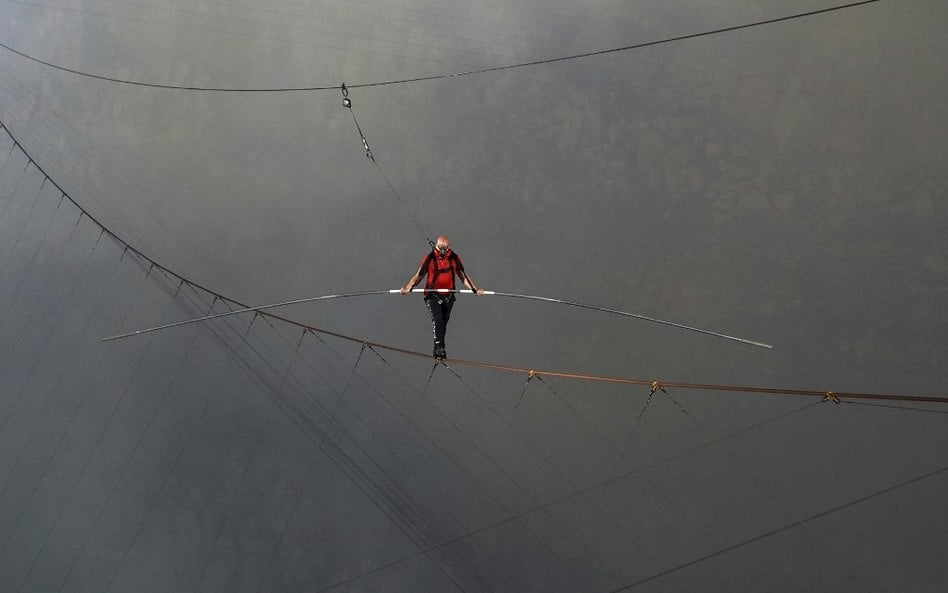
<point x="784" y="183"/>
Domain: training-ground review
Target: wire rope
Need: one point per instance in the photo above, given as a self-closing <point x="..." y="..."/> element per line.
<point x="500" y="68"/>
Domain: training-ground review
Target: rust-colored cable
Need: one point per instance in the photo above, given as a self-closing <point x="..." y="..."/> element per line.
<point x="826" y="394"/>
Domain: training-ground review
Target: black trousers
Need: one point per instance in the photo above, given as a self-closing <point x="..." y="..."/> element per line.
<point x="439" y="308"/>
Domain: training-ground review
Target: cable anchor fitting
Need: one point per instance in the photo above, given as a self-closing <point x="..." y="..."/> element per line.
<point x="530" y="375"/>
<point x="657" y="386"/>
<point x="345" y="97"/>
<point x="829" y="396"/>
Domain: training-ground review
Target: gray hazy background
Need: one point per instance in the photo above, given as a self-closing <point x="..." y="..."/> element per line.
<point x="784" y="183"/>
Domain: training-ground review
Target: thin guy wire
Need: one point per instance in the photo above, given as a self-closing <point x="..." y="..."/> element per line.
<point x="72" y="418"/>
<point x="305" y="480"/>
<point x="782" y="529"/>
<point x="544" y="507"/>
<point x="19" y="179"/>
<point x="587" y="491"/>
<point x="474" y="444"/>
<point x="444" y="76"/>
<point x="151" y="508"/>
<point x="411" y="425"/>
<point x="429" y="439"/>
<point x="46" y="343"/>
<point x="238" y="489"/>
<point x="893" y="407"/>
<point x="371" y="157"/>
<point x="461" y="565"/>
<point x="825" y="550"/>
<point x="29" y="266"/>
<point x="120" y="240"/>
<point x="109" y="420"/>
<point x="576" y="488"/>
<point x="78" y="177"/>
<point x="128" y="462"/>
<point x="23" y="225"/>
<point x="451" y="563"/>
<point x="6" y="157"/>
<point x="589" y="424"/>
<point x="72" y="351"/>
<point x="168" y="475"/>
<point x="226" y="514"/>
<point x="456" y="427"/>
<point x="391" y="497"/>
<point x="628" y="440"/>
<point x="322" y="411"/>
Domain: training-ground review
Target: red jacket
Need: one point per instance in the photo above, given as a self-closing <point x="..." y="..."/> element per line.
<point x="441" y="270"/>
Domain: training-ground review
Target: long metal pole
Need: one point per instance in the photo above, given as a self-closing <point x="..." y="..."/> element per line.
<point x="419" y="290"/>
<point x="636" y="316"/>
<point x="245" y="310"/>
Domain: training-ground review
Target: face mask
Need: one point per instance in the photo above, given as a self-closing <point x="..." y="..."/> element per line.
<point x="443" y="251"/>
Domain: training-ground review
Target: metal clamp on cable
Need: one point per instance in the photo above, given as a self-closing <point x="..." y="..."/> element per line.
<point x="345" y="97"/>
<point x="530" y="375"/>
<point x="656" y="386"/>
<point x="829" y="396"/>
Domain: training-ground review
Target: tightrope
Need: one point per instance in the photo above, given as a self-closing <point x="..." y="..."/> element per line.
<point x="651" y="383"/>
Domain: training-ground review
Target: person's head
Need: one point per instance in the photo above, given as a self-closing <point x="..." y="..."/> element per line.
<point x="442" y="244"/>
